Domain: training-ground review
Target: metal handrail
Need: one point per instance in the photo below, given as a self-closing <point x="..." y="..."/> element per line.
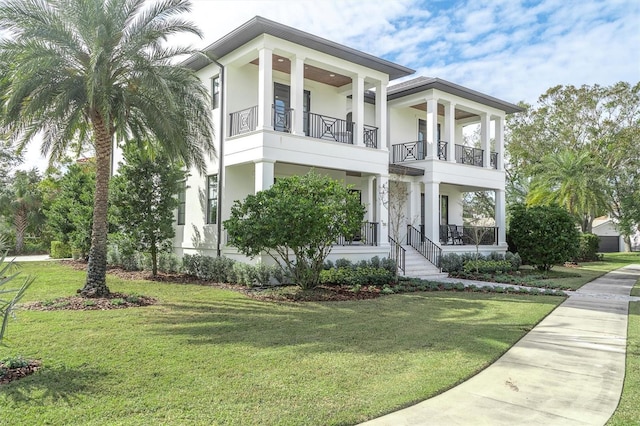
<point x="370" y="136"/>
<point x="427" y="248"/>
<point x="243" y="121"/>
<point x="398" y="254"/>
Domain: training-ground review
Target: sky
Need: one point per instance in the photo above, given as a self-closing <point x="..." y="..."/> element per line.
<point x="510" y="49"/>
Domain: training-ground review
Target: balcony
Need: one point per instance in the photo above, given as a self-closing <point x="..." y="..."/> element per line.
<point x="417" y="151"/>
<point x="315" y="125"/>
<point x="468" y="235"/>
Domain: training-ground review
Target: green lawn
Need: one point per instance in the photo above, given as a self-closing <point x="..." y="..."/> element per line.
<point x="209" y="356"/>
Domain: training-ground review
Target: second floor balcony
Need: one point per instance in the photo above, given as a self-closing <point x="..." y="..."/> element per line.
<point x="316" y="126"/>
<point x="417" y="151"/>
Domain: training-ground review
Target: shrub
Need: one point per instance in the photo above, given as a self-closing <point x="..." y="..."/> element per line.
<point x="263" y="273"/>
<point x="451" y="262"/>
<point x="60" y="250"/>
<point x="358" y="276"/>
<point x="588" y="247"/>
<point x="487" y="266"/>
<point x="515" y="259"/>
<point x="244" y="273"/>
<point x="218" y="269"/>
<point x="544" y="235"/>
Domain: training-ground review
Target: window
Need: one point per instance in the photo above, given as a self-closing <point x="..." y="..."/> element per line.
<point x="212" y="199"/>
<point x="182" y="203"/>
<point x="422" y="130"/>
<point x="215" y="92"/>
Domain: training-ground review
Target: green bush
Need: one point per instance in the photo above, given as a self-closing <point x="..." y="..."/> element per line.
<point x="588" y="248"/>
<point x="358" y="276"/>
<point x="218" y="269"/>
<point x="60" y="250"/>
<point x="545" y="235"/>
<point x="483" y="266"/>
<point x="515" y="259"/>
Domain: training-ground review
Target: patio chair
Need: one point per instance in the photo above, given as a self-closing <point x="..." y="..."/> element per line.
<point x="456" y="237"/>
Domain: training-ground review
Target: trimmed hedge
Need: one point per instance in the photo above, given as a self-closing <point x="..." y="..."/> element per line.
<point x="588" y="248"/>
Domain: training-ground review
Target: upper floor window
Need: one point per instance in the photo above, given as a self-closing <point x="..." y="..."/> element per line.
<point x="182" y="203"/>
<point x="212" y="199"/>
<point x="422" y="130"/>
<point x="215" y="92"/>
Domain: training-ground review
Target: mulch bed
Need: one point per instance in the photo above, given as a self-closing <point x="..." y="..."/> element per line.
<point x="79" y="303"/>
<point x="10" y="374"/>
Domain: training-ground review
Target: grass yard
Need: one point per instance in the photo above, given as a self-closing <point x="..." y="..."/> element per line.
<point x="207" y="356"/>
<point x="628" y="411"/>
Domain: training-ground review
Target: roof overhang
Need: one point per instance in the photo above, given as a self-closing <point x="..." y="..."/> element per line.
<point x="398" y="169"/>
<point x="424" y="83"/>
<point x="259" y="25"/>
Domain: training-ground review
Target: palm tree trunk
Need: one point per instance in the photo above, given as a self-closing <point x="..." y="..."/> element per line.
<point x="21" y="223"/>
<point x="96" y="285"/>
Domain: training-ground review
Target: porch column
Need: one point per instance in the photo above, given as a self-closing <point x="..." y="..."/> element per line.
<point x="501" y="221"/>
<point x="432" y="129"/>
<point x="265" y="88"/>
<point x="357" y="106"/>
<point x="297" y="94"/>
<point x="382" y="212"/>
<point x="370" y="215"/>
<point x="264" y="173"/>
<point x="431" y="209"/>
<point x="485" y="139"/>
<point x="499" y="138"/>
<point x="414" y="203"/>
<point x="450" y="129"/>
<point x="459" y="137"/>
<point x="381" y="114"/>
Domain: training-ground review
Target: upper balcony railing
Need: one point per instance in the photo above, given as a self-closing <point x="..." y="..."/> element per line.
<point x="417" y="150"/>
<point x="315" y="125"/>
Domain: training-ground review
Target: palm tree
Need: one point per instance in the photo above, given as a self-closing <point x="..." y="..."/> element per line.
<point x="23" y="203"/>
<point x="100" y="72"/>
<point x="573" y="181"/>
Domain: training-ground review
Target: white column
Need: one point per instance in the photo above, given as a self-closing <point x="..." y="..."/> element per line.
<point x="431" y="211"/>
<point x="499" y="138"/>
<point x="357" y="102"/>
<point x="265" y="88"/>
<point x="369" y="217"/>
<point x="264" y="173"/>
<point x="485" y="139"/>
<point x="297" y="94"/>
<point x="414" y="200"/>
<point x="432" y="128"/>
<point x="501" y="221"/>
<point x="382" y="211"/>
<point x="450" y="129"/>
<point x="459" y="137"/>
<point x="381" y="114"/>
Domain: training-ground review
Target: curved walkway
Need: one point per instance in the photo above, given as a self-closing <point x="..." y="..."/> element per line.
<point x="568" y="370"/>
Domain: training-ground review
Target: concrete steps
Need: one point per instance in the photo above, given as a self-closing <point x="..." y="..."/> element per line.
<point x="416" y="266"/>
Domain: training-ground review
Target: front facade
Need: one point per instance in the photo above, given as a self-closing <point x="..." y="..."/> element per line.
<point x="285" y="102"/>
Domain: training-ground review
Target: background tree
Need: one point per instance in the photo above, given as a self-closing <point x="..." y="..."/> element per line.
<point x="69" y="209"/>
<point x="295" y="222"/>
<point x="600" y="128"/>
<point x="575" y="181"/>
<point x="95" y="71"/>
<point x="544" y="235"/>
<point x="21" y="204"/>
<point x="144" y="198"/>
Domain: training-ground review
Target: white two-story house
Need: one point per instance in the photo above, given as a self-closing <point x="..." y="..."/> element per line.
<point x="285" y="102"/>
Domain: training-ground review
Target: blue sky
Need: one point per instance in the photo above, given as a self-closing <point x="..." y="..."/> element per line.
<point x="510" y="49"/>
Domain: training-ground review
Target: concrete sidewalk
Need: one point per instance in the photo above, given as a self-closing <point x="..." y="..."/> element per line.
<point x="568" y="370"/>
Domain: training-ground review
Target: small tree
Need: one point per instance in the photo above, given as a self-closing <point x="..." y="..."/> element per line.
<point x="295" y="222"/>
<point x="21" y="203"/>
<point x="70" y="210"/>
<point x="144" y="200"/>
<point x="544" y="235"/>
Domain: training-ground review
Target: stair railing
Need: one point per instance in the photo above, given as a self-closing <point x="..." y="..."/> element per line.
<point x="398" y="254"/>
<point x="427" y="248"/>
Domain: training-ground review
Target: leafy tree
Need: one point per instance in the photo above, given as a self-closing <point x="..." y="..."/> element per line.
<point x="575" y="181"/>
<point x="600" y="126"/>
<point x="544" y="235"/>
<point x="94" y="72"/>
<point x="70" y="207"/>
<point x="144" y="200"/>
<point x="295" y="222"/>
<point x="21" y="203"/>
<point x="8" y="160"/>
